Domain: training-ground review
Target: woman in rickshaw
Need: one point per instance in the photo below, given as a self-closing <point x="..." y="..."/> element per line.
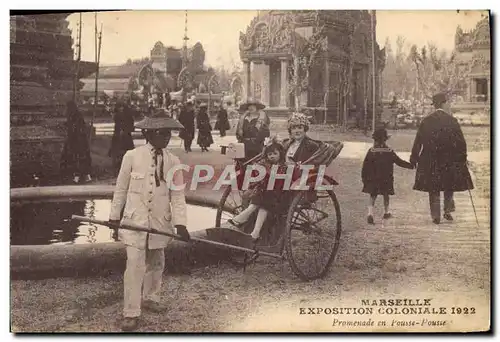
<point x="295" y="150"/>
<point x="299" y="147"/>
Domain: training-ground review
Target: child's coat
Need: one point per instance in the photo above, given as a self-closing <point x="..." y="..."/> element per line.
<point x="378" y="170"/>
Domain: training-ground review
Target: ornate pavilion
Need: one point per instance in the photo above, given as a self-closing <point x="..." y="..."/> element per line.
<point x="473" y="49"/>
<point x="267" y="51"/>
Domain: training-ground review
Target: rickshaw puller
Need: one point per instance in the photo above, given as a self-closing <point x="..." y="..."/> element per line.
<point x="145" y="195"/>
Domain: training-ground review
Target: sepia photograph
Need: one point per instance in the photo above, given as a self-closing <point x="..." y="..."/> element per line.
<point x="249" y="171"/>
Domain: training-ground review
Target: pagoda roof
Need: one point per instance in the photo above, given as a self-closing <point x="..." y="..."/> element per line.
<point x="475" y="39"/>
<point x="113" y="84"/>
<point x="120" y="71"/>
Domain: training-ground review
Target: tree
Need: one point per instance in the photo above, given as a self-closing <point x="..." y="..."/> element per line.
<point x="345" y="83"/>
<point x="224" y="77"/>
<point x="389" y="73"/>
<point x="436" y="72"/>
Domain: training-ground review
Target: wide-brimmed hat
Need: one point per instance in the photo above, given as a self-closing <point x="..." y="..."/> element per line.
<point x="203" y="105"/>
<point x="252" y="102"/>
<point x="439" y="99"/>
<point x="380" y="134"/>
<point x="159" y="120"/>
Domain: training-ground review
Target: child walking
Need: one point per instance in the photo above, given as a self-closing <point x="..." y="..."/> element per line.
<point x="262" y="200"/>
<point x="378" y="172"/>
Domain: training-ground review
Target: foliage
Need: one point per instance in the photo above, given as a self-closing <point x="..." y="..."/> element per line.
<point x="225" y="75"/>
<point x="304" y="53"/>
<point x="399" y="75"/>
<point x="419" y="72"/>
<point x="436" y="72"/>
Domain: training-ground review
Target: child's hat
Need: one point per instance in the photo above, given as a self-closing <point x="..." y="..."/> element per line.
<point x="380" y="134"/>
<point x="272" y="141"/>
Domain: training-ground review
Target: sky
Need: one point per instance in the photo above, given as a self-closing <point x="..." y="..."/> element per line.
<point x="132" y="34"/>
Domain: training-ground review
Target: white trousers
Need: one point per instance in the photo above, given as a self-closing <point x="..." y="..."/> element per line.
<point x="142" y="278"/>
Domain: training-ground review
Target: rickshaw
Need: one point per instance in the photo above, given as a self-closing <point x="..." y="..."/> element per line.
<point x="307" y="234"/>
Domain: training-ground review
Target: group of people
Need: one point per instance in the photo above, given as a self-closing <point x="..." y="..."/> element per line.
<point x="439" y="155"/>
<point x="187" y="117"/>
<point x="190" y="113"/>
<point x="144" y="195"/>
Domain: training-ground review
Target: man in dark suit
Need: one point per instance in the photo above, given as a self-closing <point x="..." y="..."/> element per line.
<point x="186" y="118"/>
<point x="440" y="151"/>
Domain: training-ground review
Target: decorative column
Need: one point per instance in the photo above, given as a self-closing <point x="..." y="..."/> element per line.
<point x="246" y="81"/>
<point x="284" y="84"/>
<point x="326" y="89"/>
<point x="256" y="75"/>
<point x="265" y="83"/>
<point x="252" y="79"/>
<point x="469" y="90"/>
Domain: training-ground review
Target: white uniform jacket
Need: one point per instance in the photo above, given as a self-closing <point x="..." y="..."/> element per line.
<point x="145" y="204"/>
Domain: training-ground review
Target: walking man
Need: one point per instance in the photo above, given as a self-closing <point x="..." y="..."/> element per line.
<point x="145" y="195"/>
<point x="440" y="151"/>
<point x="186" y="118"/>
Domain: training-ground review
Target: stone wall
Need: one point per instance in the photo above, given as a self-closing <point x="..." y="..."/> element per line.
<point x="42" y="77"/>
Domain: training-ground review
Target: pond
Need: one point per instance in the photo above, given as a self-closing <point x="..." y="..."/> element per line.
<point x="49" y="223"/>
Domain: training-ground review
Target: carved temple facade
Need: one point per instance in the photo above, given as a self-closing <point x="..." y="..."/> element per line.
<point x="269" y="48"/>
<point x="42" y="75"/>
<point x="473" y="50"/>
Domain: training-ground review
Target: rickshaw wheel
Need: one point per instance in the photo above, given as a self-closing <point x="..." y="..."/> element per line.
<point x="310" y="250"/>
<point x="223" y="214"/>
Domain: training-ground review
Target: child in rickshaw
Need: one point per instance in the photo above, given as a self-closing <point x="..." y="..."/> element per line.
<point x="263" y="200"/>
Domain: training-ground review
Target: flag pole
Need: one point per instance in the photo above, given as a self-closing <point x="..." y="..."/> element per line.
<point x="98" y="42"/>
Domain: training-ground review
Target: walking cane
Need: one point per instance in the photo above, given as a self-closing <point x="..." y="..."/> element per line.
<point x="473" y="207"/>
<point x="471" y="200"/>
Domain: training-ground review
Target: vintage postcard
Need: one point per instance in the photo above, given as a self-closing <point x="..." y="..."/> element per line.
<point x="250" y="171"/>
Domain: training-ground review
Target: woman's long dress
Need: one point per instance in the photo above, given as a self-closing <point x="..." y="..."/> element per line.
<point x="75" y="157"/>
<point x="252" y="133"/>
<point x="222" y="123"/>
<point x="204" y="130"/>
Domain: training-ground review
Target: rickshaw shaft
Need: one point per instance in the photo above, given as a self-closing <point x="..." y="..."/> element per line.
<point x="174" y="236"/>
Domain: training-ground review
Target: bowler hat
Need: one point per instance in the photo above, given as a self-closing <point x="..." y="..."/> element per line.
<point x="252" y="102"/>
<point x="159" y="120"/>
<point x="380" y="134"/>
<point x="438" y="99"/>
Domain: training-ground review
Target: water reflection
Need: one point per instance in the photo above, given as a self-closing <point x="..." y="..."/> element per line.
<point x="43" y="223"/>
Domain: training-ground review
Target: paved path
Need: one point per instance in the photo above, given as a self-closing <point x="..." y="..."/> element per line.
<point x="413" y="210"/>
<point x="352" y="149"/>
